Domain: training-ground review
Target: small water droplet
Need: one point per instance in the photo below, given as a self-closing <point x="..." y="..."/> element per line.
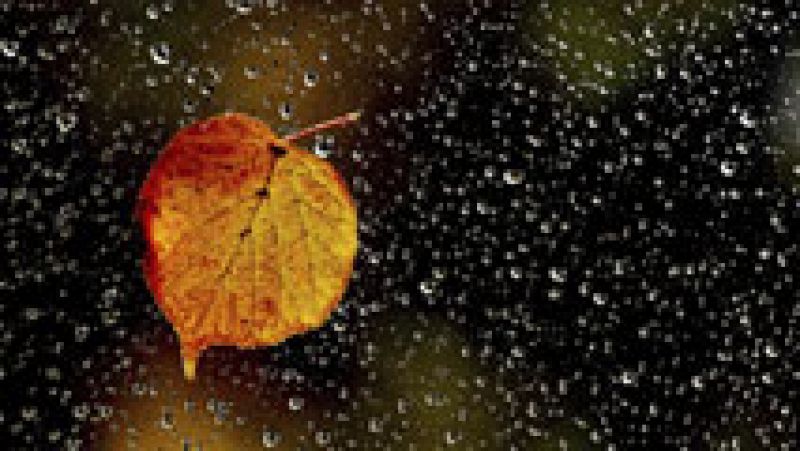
<point x="285" y="110"/>
<point x="310" y="78"/>
<point x="296" y="403"/>
<point x="10" y="49"/>
<point x="152" y="12"/>
<point x="452" y="437"/>
<point x="323" y="438"/>
<point x="66" y="122"/>
<point x="270" y="438"/>
<point x="252" y="72"/>
<point x="513" y="176"/>
<point x="189" y="107"/>
<point x="167" y="419"/>
<point x="727" y="168"/>
<point x="323" y="146"/>
<point x="426" y="287"/>
<point x="160" y="53"/>
<point x="243" y="7"/>
<point x="374" y="425"/>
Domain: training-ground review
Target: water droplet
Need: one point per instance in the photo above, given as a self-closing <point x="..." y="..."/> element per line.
<point x="270" y="438"/>
<point x="29" y="413"/>
<point x="151" y="81"/>
<point x="310" y="78"/>
<point x="599" y="298"/>
<point x="243" y="7"/>
<point x="10" y="49"/>
<point x="285" y="110"/>
<point x="727" y="168"/>
<point x="80" y="411"/>
<point x="152" y="12"/>
<point x="628" y="378"/>
<point x="160" y="53"/>
<point x="189" y="107"/>
<point x="167" y="419"/>
<point x="374" y="425"/>
<point x="452" y="437"/>
<point x="252" y="72"/>
<point x="323" y="438"/>
<point x="323" y="146"/>
<point x="296" y="403"/>
<point x="513" y="176"/>
<point x="66" y="122"/>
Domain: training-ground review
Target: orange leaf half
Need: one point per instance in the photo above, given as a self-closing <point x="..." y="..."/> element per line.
<point x="249" y="239"/>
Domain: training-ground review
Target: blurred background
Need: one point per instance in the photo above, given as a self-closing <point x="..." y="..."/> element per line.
<point x="578" y="223"/>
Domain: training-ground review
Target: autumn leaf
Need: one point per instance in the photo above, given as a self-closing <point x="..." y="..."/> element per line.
<point x="250" y="239"/>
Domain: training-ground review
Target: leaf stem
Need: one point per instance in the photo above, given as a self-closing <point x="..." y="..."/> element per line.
<point x="340" y="121"/>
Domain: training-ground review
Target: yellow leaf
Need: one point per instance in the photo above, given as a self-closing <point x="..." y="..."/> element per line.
<point x="250" y="239"/>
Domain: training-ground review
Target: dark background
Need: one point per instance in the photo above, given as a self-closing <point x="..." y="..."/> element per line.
<point x="550" y="255"/>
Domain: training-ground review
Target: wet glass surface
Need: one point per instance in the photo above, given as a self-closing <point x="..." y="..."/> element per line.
<point x="577" y="223"/>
